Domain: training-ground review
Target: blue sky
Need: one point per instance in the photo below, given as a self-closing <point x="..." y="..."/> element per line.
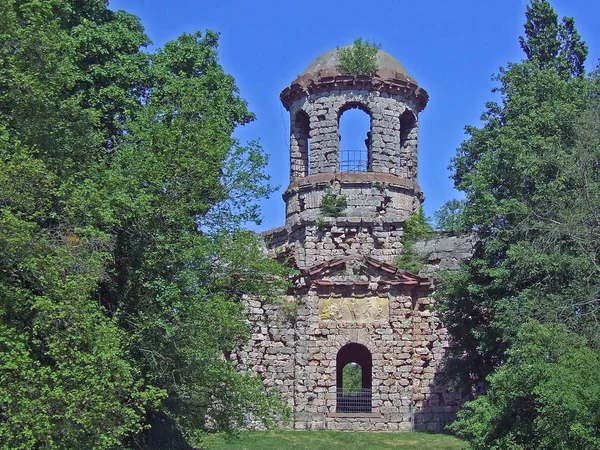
<point x="450" y="47"/>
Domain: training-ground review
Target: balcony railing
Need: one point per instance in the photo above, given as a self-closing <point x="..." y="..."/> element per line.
<point x="353" y="161"/>
<point x="354" y="400"/>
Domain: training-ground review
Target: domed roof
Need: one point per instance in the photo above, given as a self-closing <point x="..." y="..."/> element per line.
<point x="324" y="74"/>
<point x="329" y="62"/>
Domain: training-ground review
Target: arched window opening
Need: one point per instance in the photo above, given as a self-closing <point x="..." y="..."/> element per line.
<point x="408" y="129"/>
<point x="354" y="125"/>
<point x="354" y="379"/>
<point x="301" y="137"/>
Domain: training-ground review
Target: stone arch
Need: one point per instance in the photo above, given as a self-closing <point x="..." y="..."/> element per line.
<point x="408" y="144"/>
<point x="356" y="159"/>
<point x="299" y="145"/>
<point x="360" y="401"/>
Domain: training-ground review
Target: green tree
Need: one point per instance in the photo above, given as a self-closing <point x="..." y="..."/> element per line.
<point x="549" y="43"/>
<point x="123" y="258"/>
<point x="449" y="216"/>
<point x="352" y="378"/>
<point x="546" y="395"/>
<point x="530" y="180"/>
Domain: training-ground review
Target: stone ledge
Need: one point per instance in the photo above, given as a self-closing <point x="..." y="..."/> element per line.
<point x="355" y="415"/>
<point x="387" y="81"/>
<point x="368" y="179"/>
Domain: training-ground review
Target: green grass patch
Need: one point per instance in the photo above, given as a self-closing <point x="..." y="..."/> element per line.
<point x="327" y="440"/>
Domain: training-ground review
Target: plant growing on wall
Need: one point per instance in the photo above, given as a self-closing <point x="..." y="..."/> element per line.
<point x="288" y="308"/>
<point x="415" y="227"/>
<point x="359" y="58"/>
<point x="332" y="204"/>
<point x="321" y="224"/>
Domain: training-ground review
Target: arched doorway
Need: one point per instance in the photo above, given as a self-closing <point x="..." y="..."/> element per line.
<point x="354" y="379"/>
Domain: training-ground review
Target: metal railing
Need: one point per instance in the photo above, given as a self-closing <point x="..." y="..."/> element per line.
<point x="353" y="161"/>
<point x="354" y="400"/>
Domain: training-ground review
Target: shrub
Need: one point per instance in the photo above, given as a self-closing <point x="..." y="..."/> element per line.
<point x="360" y="58"/>
<point x="333" y="205"/>
<point x="414" y="228"/>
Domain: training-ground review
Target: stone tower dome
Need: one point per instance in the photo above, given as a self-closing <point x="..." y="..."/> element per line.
<point x="383" y="184"/>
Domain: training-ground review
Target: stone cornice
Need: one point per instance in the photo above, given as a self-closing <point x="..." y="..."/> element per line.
<point x="386" y="81"/>
<point x="320" y="180"/>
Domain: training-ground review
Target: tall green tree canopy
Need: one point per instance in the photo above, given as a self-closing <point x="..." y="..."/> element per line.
<point x="122" y="257"/>
<point x="523" y="177"/>
<point x="531" y="183"/>
<point x="548" y="43"/>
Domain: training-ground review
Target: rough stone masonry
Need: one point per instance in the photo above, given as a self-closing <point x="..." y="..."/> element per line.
<point x="349" y="303"/>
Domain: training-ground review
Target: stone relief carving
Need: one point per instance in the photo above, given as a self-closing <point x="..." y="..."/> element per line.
<point x="355" y="310"/>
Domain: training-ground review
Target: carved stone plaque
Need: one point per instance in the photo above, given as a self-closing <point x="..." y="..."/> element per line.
<point x="355" y="310"/>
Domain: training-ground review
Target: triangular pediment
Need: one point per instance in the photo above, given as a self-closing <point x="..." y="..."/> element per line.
<point x="358" y="270"/>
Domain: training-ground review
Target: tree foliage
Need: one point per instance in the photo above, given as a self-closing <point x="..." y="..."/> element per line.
<point x="352" y="378"/>
<point x="546" y="395"/>
<point x="448" y="217"/>
<point x="359" y="58"/>
<point x="530" y="177"/>
<point x="526" y="174"/>
<point x="123" y="261"/>
<point x="549" y="43"/>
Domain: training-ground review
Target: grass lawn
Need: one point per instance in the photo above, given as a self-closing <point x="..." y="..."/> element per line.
<point x="333" y="440"/>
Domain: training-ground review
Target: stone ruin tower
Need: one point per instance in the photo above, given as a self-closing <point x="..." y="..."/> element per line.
<point x="350" y="304"/>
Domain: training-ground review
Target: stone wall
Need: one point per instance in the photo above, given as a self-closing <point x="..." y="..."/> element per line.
<point x="404" y="336"/>
<point x="311" y="244"/>
<point x="299" y="136"/>
<point x="350" y="263"/>
<point x="349" y="300"/>
<point x="271" y="351"/>
<point x="445" y="251"/>
<point x="368" y="195"/>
